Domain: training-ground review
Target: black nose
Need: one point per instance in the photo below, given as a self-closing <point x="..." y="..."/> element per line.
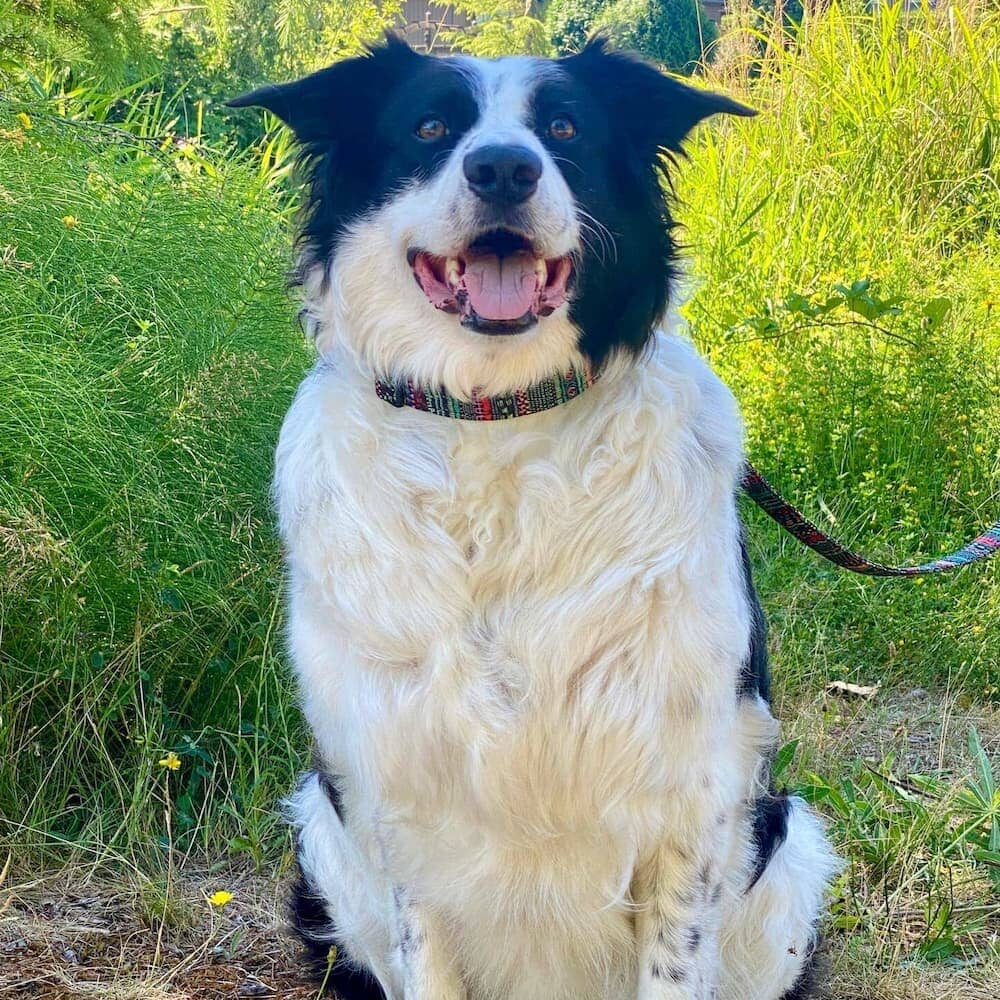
<point x="503" y="175"/>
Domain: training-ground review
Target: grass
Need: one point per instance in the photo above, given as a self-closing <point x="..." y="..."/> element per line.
<point x="147" y="352"/>
<point x="847" y="246"/>
<point x="915" y="914"/>
<point x="849" y="241"/>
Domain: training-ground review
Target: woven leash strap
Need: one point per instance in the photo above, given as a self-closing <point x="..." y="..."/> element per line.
<point x="794" y="521"/>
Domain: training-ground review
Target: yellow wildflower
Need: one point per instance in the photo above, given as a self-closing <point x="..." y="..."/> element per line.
<point x="70" y="221"/>
<point x="220" y="898"/>
<point x="171" y="761"/>
<point x="25" y="120"/>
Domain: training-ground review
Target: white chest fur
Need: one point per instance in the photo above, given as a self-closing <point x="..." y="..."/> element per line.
<point x="516" y="639"/>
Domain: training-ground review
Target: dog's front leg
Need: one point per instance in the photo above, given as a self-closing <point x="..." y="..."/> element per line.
<point x="427" y="970"/>
<point x="677" y="894"/>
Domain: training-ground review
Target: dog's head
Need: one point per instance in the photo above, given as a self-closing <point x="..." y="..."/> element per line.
<point x="482" y="223"/>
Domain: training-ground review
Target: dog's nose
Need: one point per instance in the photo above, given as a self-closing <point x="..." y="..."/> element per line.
<point x="503" y="175"/>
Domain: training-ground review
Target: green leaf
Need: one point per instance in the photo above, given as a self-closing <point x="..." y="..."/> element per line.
<point x="986" y="785"/>
<point x="783" y="758"/>
<point x="938" y="950"/>
<point x="990" y="858"/>
<point x="170" y="597"/>
<point x="241" y="845"/>
<point x="935" y="310"/>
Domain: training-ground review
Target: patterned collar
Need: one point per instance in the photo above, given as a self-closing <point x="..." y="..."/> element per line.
<point x="544" y="395"/>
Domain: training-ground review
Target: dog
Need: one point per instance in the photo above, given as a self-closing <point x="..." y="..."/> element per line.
<point x="520" y="608"/>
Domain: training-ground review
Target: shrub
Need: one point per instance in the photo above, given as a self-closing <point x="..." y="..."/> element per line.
<point x="850" y="237"/>
<point x="674" y="33"/>
<point x="570" y="22"/>
<point x="101" y="37"/>
<point x="498" y="28"/>
<point x="147" y="354"/>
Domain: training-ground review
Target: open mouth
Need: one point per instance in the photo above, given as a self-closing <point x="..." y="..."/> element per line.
<point x="499" y="284"/>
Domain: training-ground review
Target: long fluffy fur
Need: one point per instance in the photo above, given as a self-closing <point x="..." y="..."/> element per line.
<point x="520" y="645"/>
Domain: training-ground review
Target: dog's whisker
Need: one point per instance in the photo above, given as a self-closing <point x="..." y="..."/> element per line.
<point x="599" y="254"/>
<point x="601" y="230"/>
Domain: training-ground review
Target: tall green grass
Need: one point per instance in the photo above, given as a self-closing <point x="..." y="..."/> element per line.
<point x="847" y="244"/>
<point x="147" y="353"/>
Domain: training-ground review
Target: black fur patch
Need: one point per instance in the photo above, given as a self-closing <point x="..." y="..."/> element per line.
<point x="310" y="920"/>
<point x="355" y="123"/>
<point x="328" y="782"/>
<point x="770" y="827"/>
<point x="755" y="676"/>
<point x="312" y="923"/>
<point x="631" y="121"/>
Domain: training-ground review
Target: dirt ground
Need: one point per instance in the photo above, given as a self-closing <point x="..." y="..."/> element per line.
<point x="74" y="935"/>
<point x="56" y="945"/>
<point x="66" y="947"/>
<point x="61" y="946"/>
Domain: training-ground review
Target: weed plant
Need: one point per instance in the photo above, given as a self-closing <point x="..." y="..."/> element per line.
<point x="846" y="244"/>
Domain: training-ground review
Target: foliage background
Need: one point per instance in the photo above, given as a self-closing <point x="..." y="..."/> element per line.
<point x="844" y="266"/>
<point x="674" y="33"/>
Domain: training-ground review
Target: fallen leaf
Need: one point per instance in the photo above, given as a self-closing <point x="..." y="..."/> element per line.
<point x="854" y="690"/>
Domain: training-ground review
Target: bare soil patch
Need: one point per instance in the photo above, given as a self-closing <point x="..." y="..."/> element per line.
<point x="100" y="942"/>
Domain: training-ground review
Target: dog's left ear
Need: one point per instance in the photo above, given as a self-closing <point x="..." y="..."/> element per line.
<point x="658" y="111"/>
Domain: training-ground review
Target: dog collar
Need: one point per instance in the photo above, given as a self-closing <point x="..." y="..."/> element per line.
<point x="544" y="395"/>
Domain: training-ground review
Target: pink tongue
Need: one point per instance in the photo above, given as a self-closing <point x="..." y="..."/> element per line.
<point x="501" y="287"/>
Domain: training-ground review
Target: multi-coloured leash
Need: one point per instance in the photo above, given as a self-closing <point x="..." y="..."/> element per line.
<point x="566" y="386"/>
<point x="797" y="524"/>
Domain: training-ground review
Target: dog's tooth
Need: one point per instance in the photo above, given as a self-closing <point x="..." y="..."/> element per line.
<point x="541" y="272"/>
<point x="452" y="273"/>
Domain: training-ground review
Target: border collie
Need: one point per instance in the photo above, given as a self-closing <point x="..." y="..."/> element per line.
<point x="529" y="649"/>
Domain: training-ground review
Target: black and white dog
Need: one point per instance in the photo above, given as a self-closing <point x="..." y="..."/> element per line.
<point x="529" y="649"/>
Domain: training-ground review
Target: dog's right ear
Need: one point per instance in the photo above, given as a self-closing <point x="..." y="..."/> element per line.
<point x="328" y="105"/>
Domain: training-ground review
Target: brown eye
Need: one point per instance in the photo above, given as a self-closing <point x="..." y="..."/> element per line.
<point x="431" y="128"/>
<point x="561" y="128"/>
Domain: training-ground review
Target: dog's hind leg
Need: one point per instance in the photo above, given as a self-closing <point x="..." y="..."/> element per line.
<point x="768" y="931"/>
<point x="428" y="972"/>
<point x="342" y="907"/>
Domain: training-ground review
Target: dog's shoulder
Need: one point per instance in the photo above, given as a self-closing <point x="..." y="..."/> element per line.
<point x="692" y="418"/>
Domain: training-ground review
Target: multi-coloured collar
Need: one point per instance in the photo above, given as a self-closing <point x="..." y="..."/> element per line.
<point x="544" y="395"/>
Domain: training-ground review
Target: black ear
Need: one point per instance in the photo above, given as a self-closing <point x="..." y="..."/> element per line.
<point x="678" y="107"/>
<point x="323" y="105"/>
<point x="658" y="110"/>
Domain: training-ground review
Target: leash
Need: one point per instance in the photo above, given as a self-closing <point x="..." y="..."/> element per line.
<point x="797" y="524"/>
<point x="565" y="386"/>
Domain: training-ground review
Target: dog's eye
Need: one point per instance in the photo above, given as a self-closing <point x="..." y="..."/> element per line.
<point x="562" y="128"/>
<point x="431" y="128"/>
